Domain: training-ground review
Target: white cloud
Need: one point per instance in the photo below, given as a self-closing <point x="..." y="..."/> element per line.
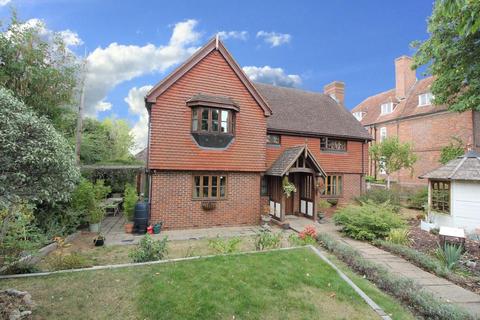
<point x="275" y="76"/>
<point x="240" y="35"/>
<point x="136" y="105"/>
<point x="117" y="63"/>
<point x="273" y="38"/>
<point x="70" y="38"/>
<point x="4" y="2"/>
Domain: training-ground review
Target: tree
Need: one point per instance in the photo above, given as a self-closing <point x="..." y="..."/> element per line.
<point x="37" y="165"/>
<point x="38" y="69"/>
<point x="392" y="156"/>
<point x="454" y="150"/>
<point x="452" y="53"/>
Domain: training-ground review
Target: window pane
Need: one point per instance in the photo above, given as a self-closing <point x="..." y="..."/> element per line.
<point x="205" y="186"/>
<point x="273" y="138"/>
<point x="205" y="119"/>
<point x="215" y="113"/>
<point x="223" y="186"/>
<point x="224" y="123"/>
<point x="196" y="187"/>
<point x="340" y="186"/>
<point x="195" y="120"/>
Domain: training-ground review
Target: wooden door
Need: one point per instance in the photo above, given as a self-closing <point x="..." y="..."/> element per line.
<point x="289" y="200"/>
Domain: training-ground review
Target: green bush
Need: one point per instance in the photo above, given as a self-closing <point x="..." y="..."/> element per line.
<point x="87" y="200"/>
<point x="380" y="196"/>
<point x="129" y="200"/>
<point x="295" y="240"/>
<point x="368" y="221"/>
<point x="73" y="260"/>
<point x="412" y="295"/>
<point x="419" y="199"/>
<point x="22" y="267"/>
<point x="450" y="255"/>
<point x="224" y="246"/>
<point x="149" y="249"/>
<point x="399" y="236"/>
<point x="266" y="239"/>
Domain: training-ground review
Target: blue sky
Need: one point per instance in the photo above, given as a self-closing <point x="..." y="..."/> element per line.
<point x="315" y="42"/>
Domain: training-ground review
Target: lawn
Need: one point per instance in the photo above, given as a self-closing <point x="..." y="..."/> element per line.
<point x="291" y="284"/>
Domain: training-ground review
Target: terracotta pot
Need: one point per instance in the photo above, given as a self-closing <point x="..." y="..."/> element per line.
<point x="128" y="227"/>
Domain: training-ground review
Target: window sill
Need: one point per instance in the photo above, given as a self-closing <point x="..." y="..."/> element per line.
<point x="333" y="151"/>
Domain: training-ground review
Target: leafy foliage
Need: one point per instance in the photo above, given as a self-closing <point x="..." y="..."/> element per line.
<point x="266" y="239"/>
<point x="380" y="196"/>
<point x="87" y="199"/>
<point x="418" y="199"/>
<point x="399" y="236"/>
<point x="129" y="200"/>
<point x="149" y="249"/>
<point x="450" y="255"/>
<point x="307" y="236"/>
<point x="451" y="53"/>
<point x="39" y="71"/>
<point x="36" y="163"/>
<point x="72" y="260"/>
<point x="368" y="221"/>
<point x="392" y="156"/>
<point x="224" y="246"/>
<point x="454" y="150"/>
<point x="288" y="187"/>
<point x="58" y="220"/>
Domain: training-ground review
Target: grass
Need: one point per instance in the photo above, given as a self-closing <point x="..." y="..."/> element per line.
<point x="293" y="284"/>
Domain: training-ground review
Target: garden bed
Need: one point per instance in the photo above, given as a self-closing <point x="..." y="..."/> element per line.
<point x="288" y="284"/>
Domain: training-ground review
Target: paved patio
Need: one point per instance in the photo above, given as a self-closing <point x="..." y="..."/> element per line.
<point x="440" y="287"/>
<point x="112" y="228"/>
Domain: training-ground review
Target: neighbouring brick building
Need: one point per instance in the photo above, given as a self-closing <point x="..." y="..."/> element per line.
<point x="406" y="111"/>
<point x="221" y="148"/>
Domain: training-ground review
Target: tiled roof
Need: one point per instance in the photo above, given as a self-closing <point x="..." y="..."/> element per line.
<point x="142" y="155"/>
<point x="371" y="107"/>
<point x="466" y="167"/>
<point x="288" y="157"/>
<point x="301" y="111"/>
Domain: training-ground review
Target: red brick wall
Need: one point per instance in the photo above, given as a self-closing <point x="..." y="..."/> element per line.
<point x="171" y="144"/>
<point x="172" y="202"/>
<point x="428" y="134"/>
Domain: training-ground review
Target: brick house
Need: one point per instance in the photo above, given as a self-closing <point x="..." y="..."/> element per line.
<point x="407" y="112"/>
<point x="221" y="146"/>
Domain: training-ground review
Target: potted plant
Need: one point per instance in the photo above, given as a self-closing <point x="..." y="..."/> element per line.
<point x="288" y="187"/>
<point x="96" y="217"/>
<point x="322" y="207"/>
<point x="99" y="240"/>
<point x="266" y="214"/>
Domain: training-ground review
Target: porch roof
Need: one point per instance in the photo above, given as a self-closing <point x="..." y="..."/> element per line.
<point x="466" y="167"/>
<point x="287" y="159"/>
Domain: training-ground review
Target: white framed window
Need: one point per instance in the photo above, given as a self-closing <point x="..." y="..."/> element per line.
<point x="387" y="108"/>
<point x="358" y="115"/>
<point x="383" y="133"/>
<point x="425" y="99"/>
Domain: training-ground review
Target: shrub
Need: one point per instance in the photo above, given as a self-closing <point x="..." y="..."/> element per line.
<point x="149" y="249"/>
<point x="399" y="236"/>
<point x="129" y="201"/>
<point x="419" y="199"/>
<point x="73" y="260"/>
<point x="21" y="267"/>
<point x="266" y="239"/>
<point x="424" y="303"/>
<point x="380" y="196"/>
<point x="450" y="255"/>
<point x="224" y="246"/>
<point x="87" y="199"/>
<point x="368" y="221"/>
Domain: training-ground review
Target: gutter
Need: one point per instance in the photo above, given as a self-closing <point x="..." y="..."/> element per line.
<point x="316" y="135"/>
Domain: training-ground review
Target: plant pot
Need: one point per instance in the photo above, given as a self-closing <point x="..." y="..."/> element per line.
<point x="209" y="205"/>
<point x="266" y="218"/>
<point x="94" y="227"/>
<point x="99" y="241"/>
<point x="128" y="227"/>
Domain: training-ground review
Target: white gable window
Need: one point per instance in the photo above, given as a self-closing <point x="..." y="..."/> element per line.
<point x="383" y="133"/>
<point x="425" y="99"/>
<point x="358" y="115"/>
<point x="387" y="108"/>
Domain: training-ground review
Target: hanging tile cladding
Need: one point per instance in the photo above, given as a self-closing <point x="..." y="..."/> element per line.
<point x="172" y="147"/>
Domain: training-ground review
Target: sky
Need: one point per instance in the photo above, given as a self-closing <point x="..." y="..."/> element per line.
<point x="132" y="45"/>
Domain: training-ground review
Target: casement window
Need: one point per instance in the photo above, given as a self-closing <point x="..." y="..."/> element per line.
<point x="264" y="186"/>
<point x="212" y="120"/>
<point x="387" y="108"/>
<point x="383" y="133"/>
<point x="358" y="115"/>
<point x="425" y="99"/>
<point x="440" y="196"/>
<point x="273" y="138"/>
<point x="330" y="144"/>
<point x="333" y="185"/>
<point x="209" y="186"/>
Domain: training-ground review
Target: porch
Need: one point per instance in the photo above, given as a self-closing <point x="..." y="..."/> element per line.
<point x="297" y="170"/>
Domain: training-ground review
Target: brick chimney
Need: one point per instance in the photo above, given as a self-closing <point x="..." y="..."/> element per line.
<point x="336" y="90"/>
<point x="404" y="76"/>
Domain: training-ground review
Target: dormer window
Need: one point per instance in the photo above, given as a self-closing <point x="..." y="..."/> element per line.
<point x="425" y="99"/>
<point x="387" y="108"/>
<point x="213" y="120"/>
<point x="358" y="115"/>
